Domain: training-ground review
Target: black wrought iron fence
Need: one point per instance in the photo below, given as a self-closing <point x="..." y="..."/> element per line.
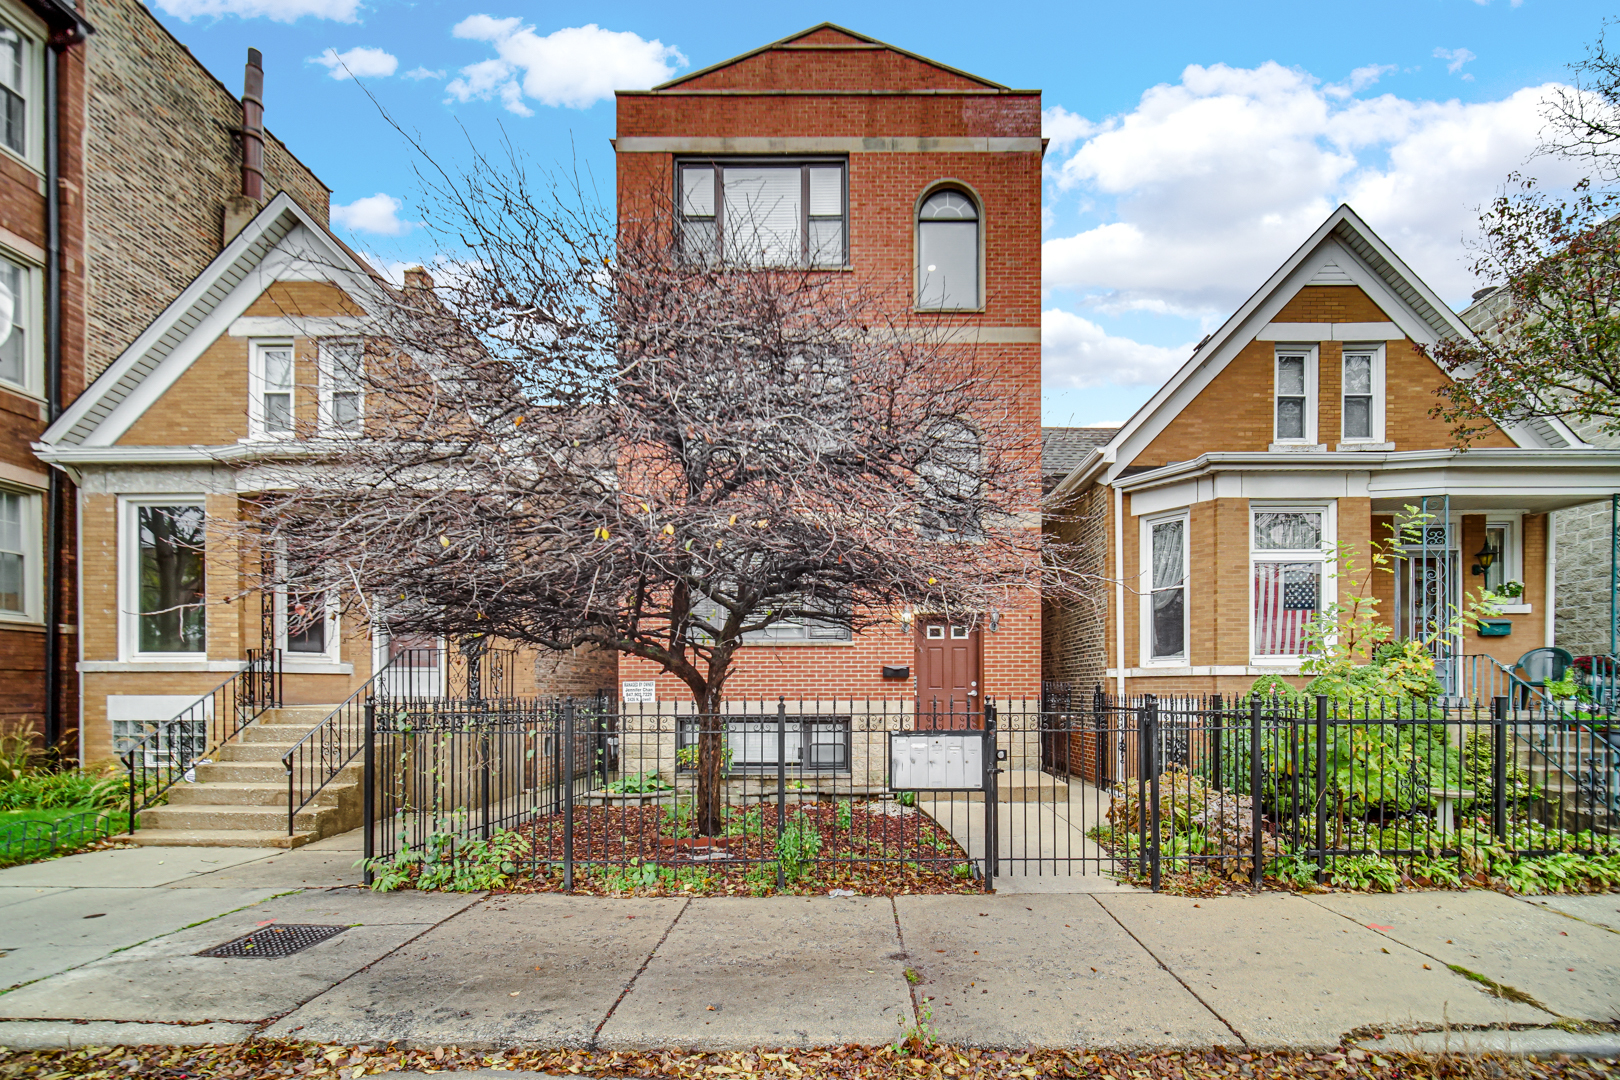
<point x="159" y="754"/>
<point x="467" y="672"/>
<point x="613" y="795"/>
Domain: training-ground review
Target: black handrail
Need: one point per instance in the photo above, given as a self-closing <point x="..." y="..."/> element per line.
<point x="470" y="672"/>
<point x="170" y="749"/>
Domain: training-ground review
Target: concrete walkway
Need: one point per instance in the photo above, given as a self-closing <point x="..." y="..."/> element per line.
<point x="103" y="948"/>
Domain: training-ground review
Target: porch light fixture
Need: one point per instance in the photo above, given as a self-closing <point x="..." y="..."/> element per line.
<point x="1483" y="559"/>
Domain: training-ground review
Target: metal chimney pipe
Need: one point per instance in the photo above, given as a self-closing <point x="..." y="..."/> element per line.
<point x="253" y="127"/>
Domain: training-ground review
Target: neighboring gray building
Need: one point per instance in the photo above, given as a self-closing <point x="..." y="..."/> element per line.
<point x="1583" y="540"/>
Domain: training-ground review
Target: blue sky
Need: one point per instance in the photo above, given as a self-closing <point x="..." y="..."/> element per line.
<point x="1194" y="144"/>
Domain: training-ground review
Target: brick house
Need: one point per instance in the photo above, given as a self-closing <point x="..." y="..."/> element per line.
<point x="138" y="148"/>
<point x="1303" y="422"/>
<point x="881" y="146"/>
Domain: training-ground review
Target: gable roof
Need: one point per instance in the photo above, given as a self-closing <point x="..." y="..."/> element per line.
<point x="1343" y="250"/>
<point x="1062" y="448"/>
<point x="205" y="307"/>
<point x="855" y="39"/>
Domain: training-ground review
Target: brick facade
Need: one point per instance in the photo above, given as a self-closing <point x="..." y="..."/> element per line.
<point x="906" y="126"/>
<point x="1231" y="416"/>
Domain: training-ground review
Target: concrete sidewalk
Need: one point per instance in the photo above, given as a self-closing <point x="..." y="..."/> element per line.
<point x="103" y="948"/>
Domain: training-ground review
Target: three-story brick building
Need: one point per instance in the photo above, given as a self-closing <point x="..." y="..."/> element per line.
<point x="893" y="168"/>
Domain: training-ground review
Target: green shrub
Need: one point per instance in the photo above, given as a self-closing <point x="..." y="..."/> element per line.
<point x="639" y="784"/>
<point x="798" y="847"/>
<point x="448" y="863"/>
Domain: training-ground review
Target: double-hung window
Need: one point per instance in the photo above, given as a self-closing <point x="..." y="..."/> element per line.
<point x="17" y="61"/>
<point x="764" y="213"/>
<point x="19" y="366"/>
<point x="1287" y="561"/>
<point x="165" y="577"/>
<point x="1166" y="599"/>
<point x="1295" y="394"/>
<point x="342" y="395"/>
<point x="20" y="565"/>
<point x="1362" y="394"/>
<point x="271" y="402"/>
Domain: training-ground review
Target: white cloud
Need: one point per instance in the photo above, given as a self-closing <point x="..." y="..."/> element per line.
<point x="1077" y="353"/>
<point x="1359" y="80"/>
<point x="358" y="63"/>
<point x="575" y="67"/>
<point x="274" y="10"/>
<point x="1064" y="128"/>
<point x="1213" y="181"/>
<point x="420" y="73"/>
<point x="377" y="213"/>
<point x="1455" y="59"/>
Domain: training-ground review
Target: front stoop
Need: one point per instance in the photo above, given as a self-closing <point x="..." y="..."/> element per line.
<point x="239" y="798"/>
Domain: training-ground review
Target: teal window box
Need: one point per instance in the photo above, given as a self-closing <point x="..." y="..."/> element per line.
<point x="1495" y="627"/>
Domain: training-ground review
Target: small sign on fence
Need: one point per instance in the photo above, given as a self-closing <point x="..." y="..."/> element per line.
<point x="937" y="761"/>
<point x="639" y="692"/>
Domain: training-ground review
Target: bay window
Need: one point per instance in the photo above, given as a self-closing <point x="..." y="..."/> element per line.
<point x="1287" y="561"/>
<point x="165" y="577"/>
<point x="1165" y="602"/>
<point x="763" y="213"/>
<point x="20" y="364"/>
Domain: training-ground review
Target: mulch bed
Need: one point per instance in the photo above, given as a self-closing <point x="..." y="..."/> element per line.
<point x="269" y="1059"/>
<point x="882" y="849"/>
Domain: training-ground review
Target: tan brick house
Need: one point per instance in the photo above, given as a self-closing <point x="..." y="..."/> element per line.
<point x="118" y="164"/>
<point x="910" y="171"/>
<point x="1303" y="422"/>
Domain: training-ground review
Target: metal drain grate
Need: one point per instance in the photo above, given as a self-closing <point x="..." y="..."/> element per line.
<point x="274" y="942"/>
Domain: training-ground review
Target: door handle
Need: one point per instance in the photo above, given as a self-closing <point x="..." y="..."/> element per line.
<point x="972" y="693"/>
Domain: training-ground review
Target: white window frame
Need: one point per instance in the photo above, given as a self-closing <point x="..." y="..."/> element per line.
<point x="257" y="388"/>
<point x="34" y="33"/>
<point x="332" y="654"/>
<point x="1145" y="592"/>
<point x="29" y="314"/>
<point x="327" y="387"/>
<point x="1327" y="592"/>
<point x="33" y="553"/>
<point x="1309" y="352"/>
<point x="1377" y="351"/>
<point x="129" y="590"/>
<point x="1511" y="558"/>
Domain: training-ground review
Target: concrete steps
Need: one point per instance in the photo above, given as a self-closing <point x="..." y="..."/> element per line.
<point x="239" y="798"/>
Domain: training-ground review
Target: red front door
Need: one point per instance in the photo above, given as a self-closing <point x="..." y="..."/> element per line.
<point x="948" y="690"/>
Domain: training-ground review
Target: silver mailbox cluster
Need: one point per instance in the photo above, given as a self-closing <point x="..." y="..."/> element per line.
<point x="936" y="761"/>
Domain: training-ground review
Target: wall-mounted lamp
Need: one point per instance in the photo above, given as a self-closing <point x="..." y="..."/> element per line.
<point x="1483" y="559"/>
<point x="995" y="621"/>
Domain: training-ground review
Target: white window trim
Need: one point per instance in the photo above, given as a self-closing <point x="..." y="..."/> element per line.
<point x="1310" y="352"/>
<point x="1377" y="350"/>
<point x="33" y="553"/>
<point x="329" y="656"/>
<point x="1145" y="591"/>
<point x="34" y="33"/>
<point x="256" y="388"/>
<point x="129" y="596"/>
<point x="327" y="387"/>
<point x="1327" y="590"/>
<point x="1512" y="557"/>
<point x="33" y="383"/>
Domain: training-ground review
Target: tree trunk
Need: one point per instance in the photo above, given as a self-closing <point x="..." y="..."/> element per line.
<point x="709" y="819"/>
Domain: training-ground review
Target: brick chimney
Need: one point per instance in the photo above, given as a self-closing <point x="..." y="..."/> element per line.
<point x="241" y="208"/>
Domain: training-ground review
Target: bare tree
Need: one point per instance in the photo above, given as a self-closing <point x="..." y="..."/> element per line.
<point x="581" y="435"/>
<point x="1583" y="119"/>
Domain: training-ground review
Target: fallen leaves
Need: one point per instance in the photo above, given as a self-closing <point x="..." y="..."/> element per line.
<point x="277" y="1060"/>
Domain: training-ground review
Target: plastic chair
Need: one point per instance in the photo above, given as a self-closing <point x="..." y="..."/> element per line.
<point x="1538" y="667"/>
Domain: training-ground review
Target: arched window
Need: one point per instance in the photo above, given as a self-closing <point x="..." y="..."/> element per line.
<point x="948" y="252"/>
